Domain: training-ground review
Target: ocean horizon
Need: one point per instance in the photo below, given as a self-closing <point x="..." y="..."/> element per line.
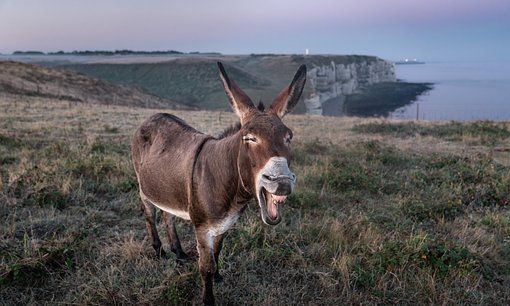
<point x="463" y="91"/>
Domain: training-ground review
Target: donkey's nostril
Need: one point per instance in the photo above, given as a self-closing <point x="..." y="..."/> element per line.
<point x="284" y="188"/>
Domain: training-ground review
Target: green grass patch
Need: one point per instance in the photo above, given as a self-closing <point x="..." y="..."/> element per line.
<point x="179" y="290"/>
<point x="484" y="132"/>
<point x="412" y="255"/>
<point x="46" y="261"/>
<point x="8" y="141"/>
<point x="83" y="173"/>
<point x="7" y="160"/>
<point x="424" y="187"/>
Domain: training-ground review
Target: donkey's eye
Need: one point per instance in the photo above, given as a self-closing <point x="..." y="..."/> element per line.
<point x="250" y="138"/>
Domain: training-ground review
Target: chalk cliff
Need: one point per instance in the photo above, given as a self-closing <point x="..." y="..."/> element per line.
<point x="332" y="83"/>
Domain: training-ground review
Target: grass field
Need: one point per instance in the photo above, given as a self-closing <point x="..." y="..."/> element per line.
<point x="384" y="212"/>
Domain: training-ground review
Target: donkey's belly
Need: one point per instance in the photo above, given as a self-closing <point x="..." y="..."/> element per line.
<point x="176" y="212"/>
<point x="165" y="174"/>
<point x="164" y="207"/>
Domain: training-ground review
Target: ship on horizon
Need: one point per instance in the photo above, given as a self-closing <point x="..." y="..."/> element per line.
<point x="407" y="61"/>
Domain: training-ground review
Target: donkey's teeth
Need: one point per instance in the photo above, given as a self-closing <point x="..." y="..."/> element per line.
<point x="279" y="199"/>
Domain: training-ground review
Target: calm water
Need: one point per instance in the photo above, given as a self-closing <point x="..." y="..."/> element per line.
<point x="462" y="91"/>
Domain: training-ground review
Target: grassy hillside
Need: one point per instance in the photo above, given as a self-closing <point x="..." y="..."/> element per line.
<point x="189" y="81"/>
<point x="23" y="79"/>
<point x="195" y="81"/>
<point x="384" y="212"/>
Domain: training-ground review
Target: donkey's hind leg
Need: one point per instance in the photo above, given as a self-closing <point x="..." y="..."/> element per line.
<point x="175" y="243"/>
<point x="218" y="244"/>
<point x="149" y="212"/>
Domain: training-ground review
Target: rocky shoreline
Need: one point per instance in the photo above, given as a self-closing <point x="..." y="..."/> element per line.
<point x="333" y="83"/>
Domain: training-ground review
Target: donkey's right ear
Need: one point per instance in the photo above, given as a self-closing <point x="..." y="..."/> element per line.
<point x="240" y="102"/>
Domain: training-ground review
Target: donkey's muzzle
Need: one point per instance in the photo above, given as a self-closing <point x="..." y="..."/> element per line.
<point x="277" y="178"/>
<point x="275" y="182"/>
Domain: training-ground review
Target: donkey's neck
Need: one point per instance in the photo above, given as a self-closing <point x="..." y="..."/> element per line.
<point x="217" y="163"/>
<point x="227" y="149"/>
<point x="230" y="146"/>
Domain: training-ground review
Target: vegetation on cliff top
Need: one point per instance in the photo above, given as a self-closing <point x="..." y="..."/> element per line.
<point x="107" y="52"/>
<point x="321" y="60"/>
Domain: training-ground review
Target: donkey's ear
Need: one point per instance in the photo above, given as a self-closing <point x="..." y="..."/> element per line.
<point x="240" y="102"/>
<point x="289" y="96"/>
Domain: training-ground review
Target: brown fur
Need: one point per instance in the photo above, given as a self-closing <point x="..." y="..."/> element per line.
<point x="186" y="172"/>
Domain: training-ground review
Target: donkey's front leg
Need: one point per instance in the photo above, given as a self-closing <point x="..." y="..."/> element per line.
<point x="206" y="263"/>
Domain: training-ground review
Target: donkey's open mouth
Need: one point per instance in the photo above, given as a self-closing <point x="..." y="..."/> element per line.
<point x="272" y="204"/>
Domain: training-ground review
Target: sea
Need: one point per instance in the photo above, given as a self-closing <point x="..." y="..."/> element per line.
<point x="462" y="91"/>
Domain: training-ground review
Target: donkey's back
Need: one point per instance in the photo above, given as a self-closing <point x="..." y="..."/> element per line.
<point x="163" y="152"/>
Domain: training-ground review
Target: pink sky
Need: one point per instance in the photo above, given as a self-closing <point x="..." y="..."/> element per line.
<point x="326" y="26"/>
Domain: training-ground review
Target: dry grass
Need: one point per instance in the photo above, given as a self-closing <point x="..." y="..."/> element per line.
<point x="376" y="218"/>
<point x="24" y="79"/>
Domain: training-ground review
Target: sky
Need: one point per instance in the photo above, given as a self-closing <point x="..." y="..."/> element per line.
<point x="433" y="30"/>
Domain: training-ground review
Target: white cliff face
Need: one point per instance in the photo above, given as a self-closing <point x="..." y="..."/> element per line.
<point x="337" y="81"/>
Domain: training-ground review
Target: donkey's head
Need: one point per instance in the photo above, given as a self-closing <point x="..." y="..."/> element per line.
<point x="264" y="152"/>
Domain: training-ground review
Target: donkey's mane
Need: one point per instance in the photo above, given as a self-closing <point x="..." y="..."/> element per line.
<point x="231" y="130"/>
<point x="234" y="128"/>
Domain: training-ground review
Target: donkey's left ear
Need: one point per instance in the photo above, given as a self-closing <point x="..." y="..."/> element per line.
<point x="289" y="96"/>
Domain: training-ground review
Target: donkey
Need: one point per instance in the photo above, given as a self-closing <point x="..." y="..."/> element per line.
<point x="208" y="180"/>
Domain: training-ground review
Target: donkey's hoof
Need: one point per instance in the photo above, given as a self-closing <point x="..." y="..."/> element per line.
<point x="161" y="254"/>
<point x="181" y="257"/>
<point x="181" y="261"/>
<point x="208" y="301"/>
<point x="218" y="278"/>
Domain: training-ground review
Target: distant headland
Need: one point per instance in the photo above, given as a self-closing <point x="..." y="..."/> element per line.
<point x="107" y="52"/>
